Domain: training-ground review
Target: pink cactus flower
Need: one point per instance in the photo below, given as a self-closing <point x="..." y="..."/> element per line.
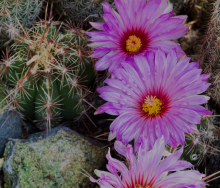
<point x="155" y="95"/>
<point x="147" y="170"/>
<point x="136" y="28"/>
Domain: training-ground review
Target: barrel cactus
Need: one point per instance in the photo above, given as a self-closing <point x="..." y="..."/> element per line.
<point x="26" y="11"/>
<point x="49" y="73"/>
<point x="79" y="10"/>
<point x="199" y="147"/>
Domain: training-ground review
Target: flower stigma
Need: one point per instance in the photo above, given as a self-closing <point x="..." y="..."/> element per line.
<point x="152" y="105"/>
<point x="133" y="44"/>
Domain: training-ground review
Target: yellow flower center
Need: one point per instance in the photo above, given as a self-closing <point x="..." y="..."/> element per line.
<point x="139" y="186"/>
<point x="133" y="43"/>
<point x="152" y="105"/>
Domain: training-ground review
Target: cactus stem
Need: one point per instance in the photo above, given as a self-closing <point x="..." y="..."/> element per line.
<point x="7" y="62"/>
<point x="46" y="71"/>
<point x="12" y="103"/>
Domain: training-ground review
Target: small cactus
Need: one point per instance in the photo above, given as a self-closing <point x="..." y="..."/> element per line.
<point x="79" y="10"/>
<point x="48" y="73"/>
<point x="26" y="11"/>
<point x="210" y="58"/>
<point x="199" y="147"/>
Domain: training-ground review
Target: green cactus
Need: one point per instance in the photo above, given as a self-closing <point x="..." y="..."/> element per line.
<point x="26" y="11"/>
<point x="79" y="10"/>
<point x="49" y="72"/>
<point x="198" y="147"/>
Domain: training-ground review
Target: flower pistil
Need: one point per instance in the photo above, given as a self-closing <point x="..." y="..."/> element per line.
<point x="133" y="44"/>
<point x="152" y="105"/>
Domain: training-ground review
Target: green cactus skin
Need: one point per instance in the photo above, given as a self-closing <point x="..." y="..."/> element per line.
<point x="26" y="11"/>
<point x="79" y="10"/>
<point x="49" y="72"/>
<point x="197" y="147"/>
<point x="193" y="150"/>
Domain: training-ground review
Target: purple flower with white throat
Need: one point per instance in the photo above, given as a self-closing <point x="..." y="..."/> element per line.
<point x="155" y="95"/>
<point x="147" y="170"/>
<point x="136" y="28"/>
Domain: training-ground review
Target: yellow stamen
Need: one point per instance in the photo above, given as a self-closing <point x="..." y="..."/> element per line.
<point x="133" y="43"/>
<point x="152" y="105"/>
<point x="139" y="186"/>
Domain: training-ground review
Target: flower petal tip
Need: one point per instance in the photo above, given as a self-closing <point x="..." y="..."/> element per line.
<point x="111" y="136"/>
<point x="96" y="112"/>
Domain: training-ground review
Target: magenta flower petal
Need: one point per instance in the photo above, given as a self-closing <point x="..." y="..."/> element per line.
<point x="111" y="108"/>
<point x="146" y="170"/>
<point x="136" y="28"/>
<point x="155" y="95"/>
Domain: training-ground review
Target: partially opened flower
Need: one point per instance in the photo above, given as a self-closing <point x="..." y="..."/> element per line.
<point x="155" y="95"/>
<point x="147" y="170"/>
<point x="138" y="26"/>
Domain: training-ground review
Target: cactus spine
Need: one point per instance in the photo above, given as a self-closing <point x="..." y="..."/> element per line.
<point x="26" y="11"/>
<point x="49" y="72"/>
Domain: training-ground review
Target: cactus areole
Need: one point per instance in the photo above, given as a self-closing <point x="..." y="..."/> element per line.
<point x="50" y="72"/>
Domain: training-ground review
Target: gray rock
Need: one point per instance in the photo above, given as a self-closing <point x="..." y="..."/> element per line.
<point x="53" y="161"/>
<point x="10" y="127"/>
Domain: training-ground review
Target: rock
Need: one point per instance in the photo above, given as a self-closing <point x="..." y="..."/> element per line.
<point x="52" y="161"/>
<point x="10" y="127"/>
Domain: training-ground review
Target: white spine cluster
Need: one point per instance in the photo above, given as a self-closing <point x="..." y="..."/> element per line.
<point x="12" y="11"/>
